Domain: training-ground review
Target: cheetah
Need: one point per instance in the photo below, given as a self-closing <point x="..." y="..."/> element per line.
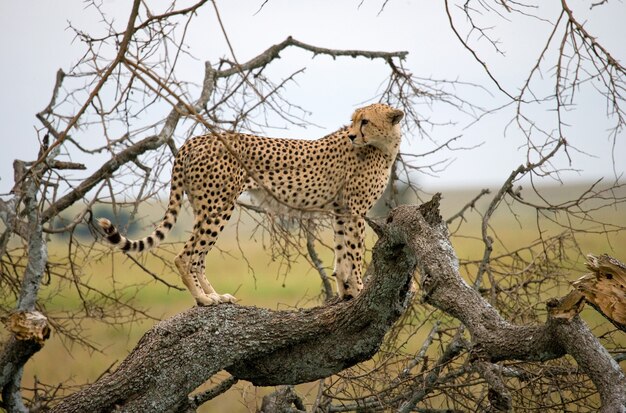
<point x="342" y="174"/>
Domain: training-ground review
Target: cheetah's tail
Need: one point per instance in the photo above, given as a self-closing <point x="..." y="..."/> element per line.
<point x="125" y="244"/>
<point x="159" y="233"/>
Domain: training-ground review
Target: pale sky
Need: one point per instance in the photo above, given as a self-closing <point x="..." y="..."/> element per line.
<point x="35" y="41"/>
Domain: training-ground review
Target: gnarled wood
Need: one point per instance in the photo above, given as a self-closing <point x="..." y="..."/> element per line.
<point x="263" y="346"/>
<point x="289" y="347"/>
<point x="605" y="288"/>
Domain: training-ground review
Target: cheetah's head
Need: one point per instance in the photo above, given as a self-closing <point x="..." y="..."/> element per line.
<point x="377" y="125"/>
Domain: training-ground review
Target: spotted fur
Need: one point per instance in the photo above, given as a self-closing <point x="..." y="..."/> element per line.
<point x="343" y="173"/>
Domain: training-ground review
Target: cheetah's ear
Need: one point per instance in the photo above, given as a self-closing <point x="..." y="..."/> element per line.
<point x="395" y="116"/>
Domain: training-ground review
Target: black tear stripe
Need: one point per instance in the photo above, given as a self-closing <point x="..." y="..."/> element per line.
<point x="126" y="246"/>
<point x="140" y="245"/>
<point x="114" y="238"/>
<point x="159" y="235"/>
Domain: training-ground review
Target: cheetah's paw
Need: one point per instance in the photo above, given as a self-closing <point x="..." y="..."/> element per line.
<point x="208" y="300"/>
<point x="227" y="298"/>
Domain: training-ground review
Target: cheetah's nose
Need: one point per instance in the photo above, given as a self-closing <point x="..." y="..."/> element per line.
<point x="352" y="137"/>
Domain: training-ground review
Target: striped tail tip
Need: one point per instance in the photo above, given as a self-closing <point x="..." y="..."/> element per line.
<point x="106" y="225"/>
<point x="110" y="231"/>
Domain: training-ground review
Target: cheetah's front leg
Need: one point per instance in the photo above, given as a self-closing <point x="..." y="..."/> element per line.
<point x="349" y="247"/>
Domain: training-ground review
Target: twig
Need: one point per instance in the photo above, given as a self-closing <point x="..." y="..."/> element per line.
<point x="317" y="263"/>
<point x="199" y="399"/>
<point x="470" y="204"/>
<point x="128" y="34"/>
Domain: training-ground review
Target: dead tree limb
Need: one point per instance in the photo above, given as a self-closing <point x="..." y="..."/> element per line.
<point x="492" y="337"/>
<point x="604" y="288"/>
<point x="29" y="328"/>
<point x="262" y="346"/>
<point x="289" y="347"/>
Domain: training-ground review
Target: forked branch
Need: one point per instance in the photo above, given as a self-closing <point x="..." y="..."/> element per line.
<point x="289" y="347"/>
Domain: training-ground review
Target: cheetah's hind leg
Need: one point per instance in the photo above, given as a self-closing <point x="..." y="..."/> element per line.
<point x="190" y="278"/>
<point x="191" y="261"/>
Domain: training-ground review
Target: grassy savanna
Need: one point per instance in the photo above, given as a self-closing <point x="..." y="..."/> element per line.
<point x="244" y="264"/>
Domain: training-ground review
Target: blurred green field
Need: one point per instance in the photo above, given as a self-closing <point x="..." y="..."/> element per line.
<point x="244" y="267"/>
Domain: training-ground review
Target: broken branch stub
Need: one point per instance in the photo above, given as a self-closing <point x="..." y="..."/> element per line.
<point x="29" y="325"/>
<point x="605" y="288"/>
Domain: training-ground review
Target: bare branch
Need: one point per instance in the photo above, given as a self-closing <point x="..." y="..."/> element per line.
<point x="104" y="172"/>
<point x="128" y="34"/>
<point x="264" y="58"/>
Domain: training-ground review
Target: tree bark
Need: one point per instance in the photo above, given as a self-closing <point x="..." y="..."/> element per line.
<point x="290" y="347"/>
<point x="29" y="328"/>
<point x="262" y="346"/>
<point x="494" y="338"/>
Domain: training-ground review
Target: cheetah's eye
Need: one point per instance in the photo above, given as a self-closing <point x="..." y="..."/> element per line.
<point x="364" y="122"/>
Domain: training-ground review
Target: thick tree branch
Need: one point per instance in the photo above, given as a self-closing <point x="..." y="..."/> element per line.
<point x="13" y="357"/>
<point x="494" y="338"/>
<point x="289" y="347"/>
<point x="27" y="336"/>
<point x="259" y="345"/>
<point x="595" y="361"/>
